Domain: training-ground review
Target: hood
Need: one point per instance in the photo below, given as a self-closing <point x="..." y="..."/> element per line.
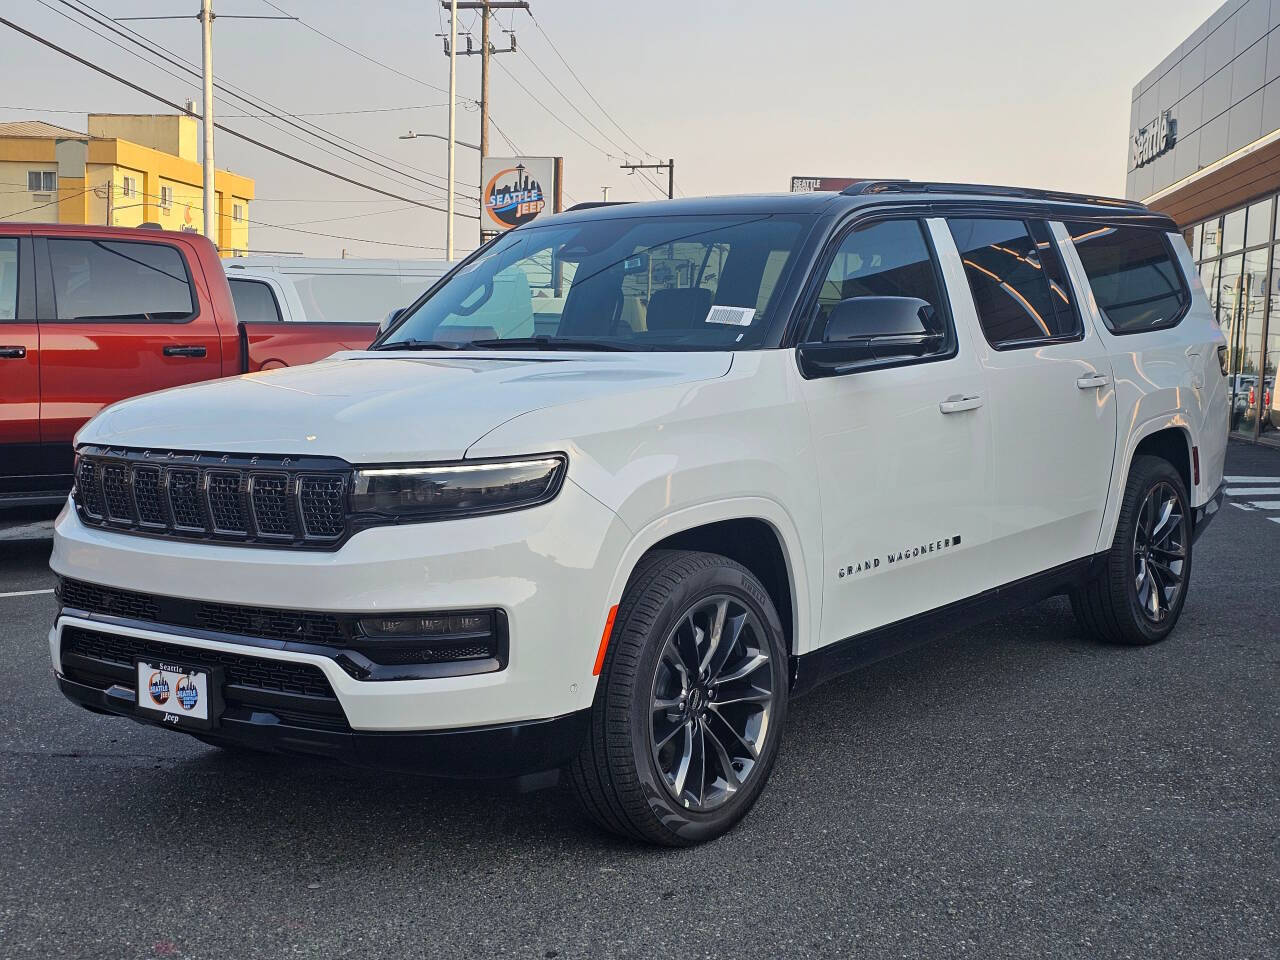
<point x="381" y="408"/>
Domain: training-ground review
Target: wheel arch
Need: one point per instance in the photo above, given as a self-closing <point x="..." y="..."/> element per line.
<point x="755" y="532"/>
<point x="1169" y="437"/>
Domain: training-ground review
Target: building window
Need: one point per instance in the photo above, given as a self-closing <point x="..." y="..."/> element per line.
<point x="166" y="198"/>
<point x="42" y="181"/>
<point x="129" y="187"/>
<point x="237" y="212"/>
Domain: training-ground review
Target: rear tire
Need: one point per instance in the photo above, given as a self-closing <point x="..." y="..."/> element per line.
<point x="691" y="702"/>
<point x="1138" y="595"/>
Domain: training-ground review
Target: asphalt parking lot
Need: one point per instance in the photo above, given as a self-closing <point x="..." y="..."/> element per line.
<point x="1013" y="790"/>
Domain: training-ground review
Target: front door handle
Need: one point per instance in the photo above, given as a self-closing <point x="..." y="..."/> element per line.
<point x="1094" y="382"/>
<point x="959" y="404"/>
<point x="13" y="353"/>
<point x="186" y="351"/>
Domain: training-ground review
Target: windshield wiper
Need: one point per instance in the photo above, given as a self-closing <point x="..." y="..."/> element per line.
<point x="543" y="342"/>
<point x="421" y="345"/>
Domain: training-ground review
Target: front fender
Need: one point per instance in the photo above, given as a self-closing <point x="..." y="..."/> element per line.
<point x="804" y="603"/>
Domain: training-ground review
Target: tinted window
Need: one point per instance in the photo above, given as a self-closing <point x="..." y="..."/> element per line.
<point x="1018" y="285"/>
<point x="109" y="280"/>
<point x="1134" y="278"/>
<point x="886" y="259"/>
<point x="8" y="279"/>
<point x="254" y="301"/>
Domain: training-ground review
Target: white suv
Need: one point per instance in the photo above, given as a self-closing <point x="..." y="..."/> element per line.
<point x="756" y="442"/>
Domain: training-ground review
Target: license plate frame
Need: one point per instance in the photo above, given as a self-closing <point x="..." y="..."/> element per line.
<point x="187" y="696"/>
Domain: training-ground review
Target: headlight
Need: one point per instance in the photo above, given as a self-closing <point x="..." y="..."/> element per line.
<point x="459" y="489"/>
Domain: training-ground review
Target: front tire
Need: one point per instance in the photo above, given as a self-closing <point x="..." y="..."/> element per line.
<point x="1138" y="595"/>
<point x="692" y="698"/>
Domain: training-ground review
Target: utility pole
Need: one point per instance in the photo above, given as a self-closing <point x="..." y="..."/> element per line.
<point x="669" y="166"/>
<point x="210" y="196"/>
<point x="486" y="8"/>
<point x="453" y="118"/>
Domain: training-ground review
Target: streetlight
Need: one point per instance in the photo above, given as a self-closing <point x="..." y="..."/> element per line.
<point x="452" y="141"/>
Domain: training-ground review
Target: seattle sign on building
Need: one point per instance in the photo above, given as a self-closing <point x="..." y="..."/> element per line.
<point x="1149" y="142"/>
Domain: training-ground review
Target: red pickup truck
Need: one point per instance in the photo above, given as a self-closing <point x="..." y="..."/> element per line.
<point x="92" y="315"/>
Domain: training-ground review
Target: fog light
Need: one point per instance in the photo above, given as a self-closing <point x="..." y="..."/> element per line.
<point x="434" y="625"/>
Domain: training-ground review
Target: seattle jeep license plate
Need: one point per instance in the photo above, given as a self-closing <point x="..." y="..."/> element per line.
<point x="180" y="695"/>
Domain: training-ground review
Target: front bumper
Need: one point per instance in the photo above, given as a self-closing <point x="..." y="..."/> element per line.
<point x="504" y="751"/>
<point x="548" y="569"/>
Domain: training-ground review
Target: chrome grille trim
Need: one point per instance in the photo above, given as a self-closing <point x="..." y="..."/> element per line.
<point x="292" y="502"/>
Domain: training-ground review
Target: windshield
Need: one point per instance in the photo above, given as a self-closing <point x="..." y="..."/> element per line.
<point x="643" y="283"/>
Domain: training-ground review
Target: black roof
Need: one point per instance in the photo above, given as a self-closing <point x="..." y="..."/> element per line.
<point x="864" y="193"/>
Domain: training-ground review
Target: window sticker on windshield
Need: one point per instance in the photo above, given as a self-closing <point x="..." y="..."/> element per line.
<point x="734" y="316"/>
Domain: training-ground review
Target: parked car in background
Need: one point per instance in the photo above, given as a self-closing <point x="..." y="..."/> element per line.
<point x="304" y="289"/>
<point x="91" y="315"/>
<point x="632" y="478"/>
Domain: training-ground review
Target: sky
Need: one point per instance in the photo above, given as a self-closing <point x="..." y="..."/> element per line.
<point x="743" y="95"/>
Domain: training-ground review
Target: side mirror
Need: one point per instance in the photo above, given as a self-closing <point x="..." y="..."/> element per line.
<point x="389" y="320"/>
<point x="860" y="318"/>
<point x="868" y="332"/>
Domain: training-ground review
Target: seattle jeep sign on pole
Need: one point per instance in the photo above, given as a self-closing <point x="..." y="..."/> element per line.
<point x="1151" y="141"/>
<point x="514" y="190"/>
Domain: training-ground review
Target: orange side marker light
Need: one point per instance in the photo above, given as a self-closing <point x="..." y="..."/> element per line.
<point x="604" y="640"/>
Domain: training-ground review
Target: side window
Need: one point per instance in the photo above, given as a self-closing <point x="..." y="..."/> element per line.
<point x="110" y="280"/>
<point x="255" y="302"/>
<point x="1018" y="284"/>
<point x="891" y="258"/>
<point x="1134" y="277"/>
<point x="8" y="278"/>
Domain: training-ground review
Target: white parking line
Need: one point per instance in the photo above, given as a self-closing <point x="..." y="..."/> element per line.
<point x="25" y="593"/>
<point x="1252" y="491"/>
<point x="1266" y="504"/>
<point x="1274" y="519"/>
<point x="1252" y="479"/>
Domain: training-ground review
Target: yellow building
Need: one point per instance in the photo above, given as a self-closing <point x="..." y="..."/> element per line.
<point x="127" y="170"/>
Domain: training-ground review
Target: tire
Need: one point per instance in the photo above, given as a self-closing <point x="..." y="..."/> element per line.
<point x="1116" y="605"/>
<point x="624" y="779"/>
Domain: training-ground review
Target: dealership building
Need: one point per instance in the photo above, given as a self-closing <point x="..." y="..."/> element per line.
<point x="1204" y="147"/>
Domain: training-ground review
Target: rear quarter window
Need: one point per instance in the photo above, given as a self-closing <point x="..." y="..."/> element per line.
<point x="1135" y="278"/>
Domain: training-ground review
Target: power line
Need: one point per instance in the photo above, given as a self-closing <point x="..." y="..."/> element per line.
<point x="225" y="129"/>
<point x="358" y="53"/>
<point x="587" y="90"/>
<point x="554" y="116"/>
<point x="327" y="136"/>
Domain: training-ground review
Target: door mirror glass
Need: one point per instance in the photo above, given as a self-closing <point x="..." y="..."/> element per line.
<point x="861" y="318"/>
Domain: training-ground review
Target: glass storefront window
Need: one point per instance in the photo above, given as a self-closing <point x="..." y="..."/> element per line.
<point x="1210" y="246"/>
<point x="1258" y="228"/>
<point x="1233" y="231"/>
<point x="1253" y="296"/>
<point x="1209" y="278"/>
<point x="1197" y="234"/>
<point x="1269" y="403"/>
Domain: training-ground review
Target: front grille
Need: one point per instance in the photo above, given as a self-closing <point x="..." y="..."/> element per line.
<point x="298" y="691"/>
<point x="263" y="623"/>
<point x="298" y="502"/>
<point x="333" y="634"/>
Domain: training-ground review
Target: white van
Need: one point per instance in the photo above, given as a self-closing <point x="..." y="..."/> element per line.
<point x="306" y="289"/>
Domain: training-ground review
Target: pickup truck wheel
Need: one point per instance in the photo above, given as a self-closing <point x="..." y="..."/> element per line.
<point x="1137" y="597"/>
<point x="689" y="710"/>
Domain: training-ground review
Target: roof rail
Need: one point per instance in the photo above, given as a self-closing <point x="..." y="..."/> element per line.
<point x="865" y="187"/>
<point x="592" y="204"/>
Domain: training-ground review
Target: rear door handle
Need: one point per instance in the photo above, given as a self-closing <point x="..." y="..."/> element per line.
<point x="959" y="404"/>
<point x="185" y="351"/>
<point x="13" y="353"/>
<point x="1093" y="382"/>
